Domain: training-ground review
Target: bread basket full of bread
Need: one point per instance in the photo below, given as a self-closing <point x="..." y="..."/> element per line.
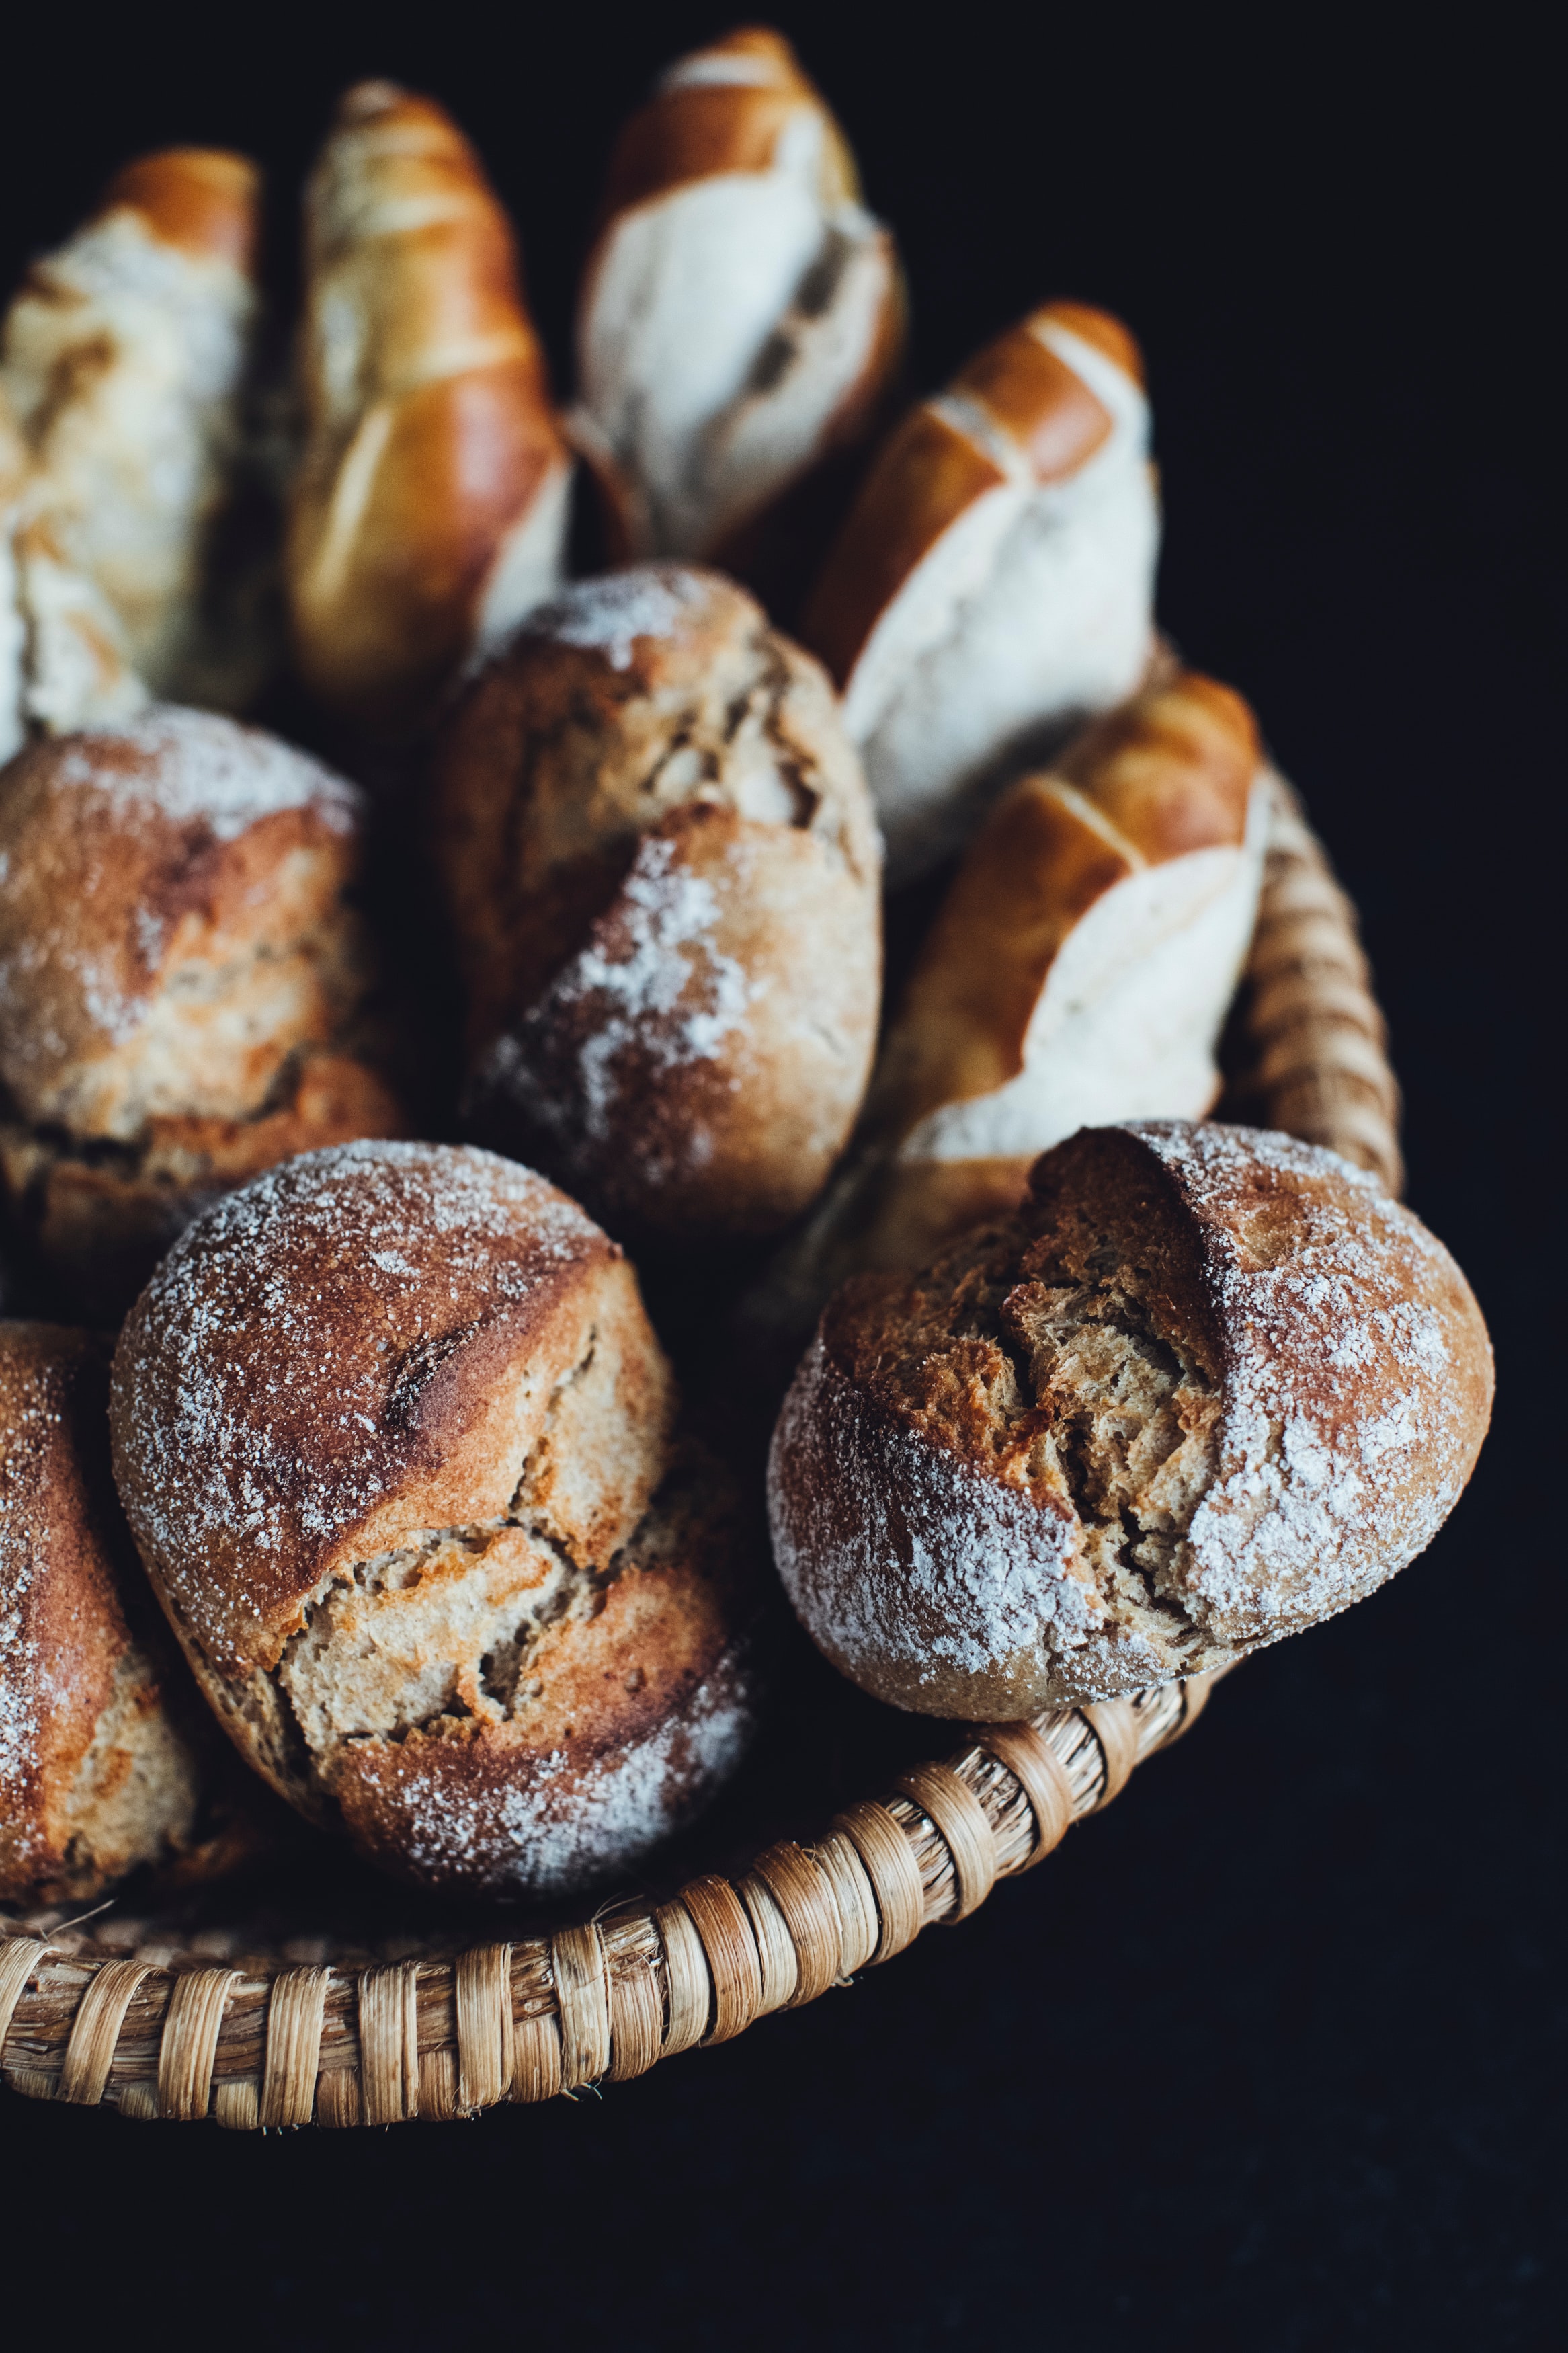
<point x="700" y="1191"/>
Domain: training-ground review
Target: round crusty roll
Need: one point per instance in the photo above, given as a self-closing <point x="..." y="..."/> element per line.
<point x="663" y="869"/>
<point x="183" y="983"/>
<point x="1209" y="1385"/>
<point x="396" y="1441"/>
<point x="95" y="1778"/>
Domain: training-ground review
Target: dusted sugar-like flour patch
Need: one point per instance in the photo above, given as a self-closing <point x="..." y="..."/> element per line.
<point x="1208" y="1387"/>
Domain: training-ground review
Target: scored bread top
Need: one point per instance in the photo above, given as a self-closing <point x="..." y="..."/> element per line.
<point x="1167" y="775"/>
<point x="724" y="109"/>
<point x="362" y="1347"/>
<point x="152" y="879"/>
<point x="1210" y="1385"/>
<point x="1018" y="412"/>
<point x="430" y="502"/>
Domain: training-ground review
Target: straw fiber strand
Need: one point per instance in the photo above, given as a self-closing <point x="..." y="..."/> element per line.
<point x="122" y="2012"/>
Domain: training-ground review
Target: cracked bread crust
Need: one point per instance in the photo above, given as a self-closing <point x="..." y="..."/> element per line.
<point x="94" y="1776"/>
<point x="395" y="1437"/>
<point x="663" y="874"/>
<point x="183" y="983"/>
<point x="1209" y="1387"/>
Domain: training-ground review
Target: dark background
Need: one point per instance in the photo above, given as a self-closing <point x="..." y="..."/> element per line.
<point x="1272" y="2056"/>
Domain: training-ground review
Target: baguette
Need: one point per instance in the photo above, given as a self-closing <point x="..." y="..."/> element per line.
<point x="993" y="585"/>
<point x="741" y="312"/>
<point x="1079" y="971"/>
<point x="120" y="371"/>
<point x="430" y="507"/>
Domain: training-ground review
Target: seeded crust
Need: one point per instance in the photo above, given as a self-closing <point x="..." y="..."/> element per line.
<point x="94" y="1776"/>
<point x="663" y="874"/>
<point x="1209" y="1387"/>
<point x="183" y="983"/>
<point x="395" y="1438"/>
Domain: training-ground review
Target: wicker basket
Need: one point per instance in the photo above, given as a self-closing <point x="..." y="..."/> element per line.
<point x="266" y="2021"/>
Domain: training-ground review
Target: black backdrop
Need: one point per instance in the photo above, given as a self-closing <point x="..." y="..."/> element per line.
<point x="1272" y="2055"/>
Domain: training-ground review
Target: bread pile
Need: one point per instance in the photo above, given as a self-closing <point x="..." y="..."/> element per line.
<point x="336" y="1083"/>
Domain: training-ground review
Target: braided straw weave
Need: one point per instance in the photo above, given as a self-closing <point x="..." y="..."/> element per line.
<point x="158" y="2026"/>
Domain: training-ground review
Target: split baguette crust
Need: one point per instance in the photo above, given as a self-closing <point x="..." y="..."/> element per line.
<point x="992" y="584"/>
<point x="123" y="357"/>
<point x="807" y="376"/>
<point x="430" y="508"/>
<point x="1105" y="904"/>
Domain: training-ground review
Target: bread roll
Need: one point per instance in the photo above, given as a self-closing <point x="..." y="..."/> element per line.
<point x="397" y="1444"/>
<point x="1208" y="1387"/>
<point x="662" y="868"/>
<point x="95" y="1776"/>
<point x="1079" y="970"/>
<point x="121" y="369"/>
<point x="183" y="983"/>
<point x="993" y="585"/>
<point x="430" y="507"/>
<point x="741" y="312"/>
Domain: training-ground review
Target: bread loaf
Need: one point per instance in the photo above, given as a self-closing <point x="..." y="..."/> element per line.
<point x="430" y="507"/>
<point x="993" y="585"/>
<point x="1208" y="1387"/>
<point x="1079" y="970"/>
<point x="122" y="371"/>
<point x="95" y="1775"/>
<point x="662" y="868"/>
<point x="183" y="983"/>
<point x="741" y="312"/>
<point x="398" y="1445"/>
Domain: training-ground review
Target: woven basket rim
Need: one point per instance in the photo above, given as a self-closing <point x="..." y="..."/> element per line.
<point x="197" y="2027"/>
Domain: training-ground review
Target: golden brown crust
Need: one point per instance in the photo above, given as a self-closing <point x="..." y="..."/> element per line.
<point x="203" y="200"/>
<point x="425" y="462"/>
<point x="1036" y="414"/>
<point x="93" y="1778"/>
<point x="1210" y="1385"/>
<point x="691" y="129"/>
<point x="662" y="870"/>
<point x="1168" y="774"/>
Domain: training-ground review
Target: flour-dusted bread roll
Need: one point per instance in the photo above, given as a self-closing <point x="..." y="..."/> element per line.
<point x="1209" y="1385"/>
<point x="121" y="366"/>
<point x="662" y="869"/>
<point x="397" y="1444"/>
<point x="430" y="507"/>
<point x="95" y="1775"/>
<point x="183" y="983"/>
<point x="993" y="585"/>
<point x="741" y="312"/>
<point x="1079" y="971"/>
